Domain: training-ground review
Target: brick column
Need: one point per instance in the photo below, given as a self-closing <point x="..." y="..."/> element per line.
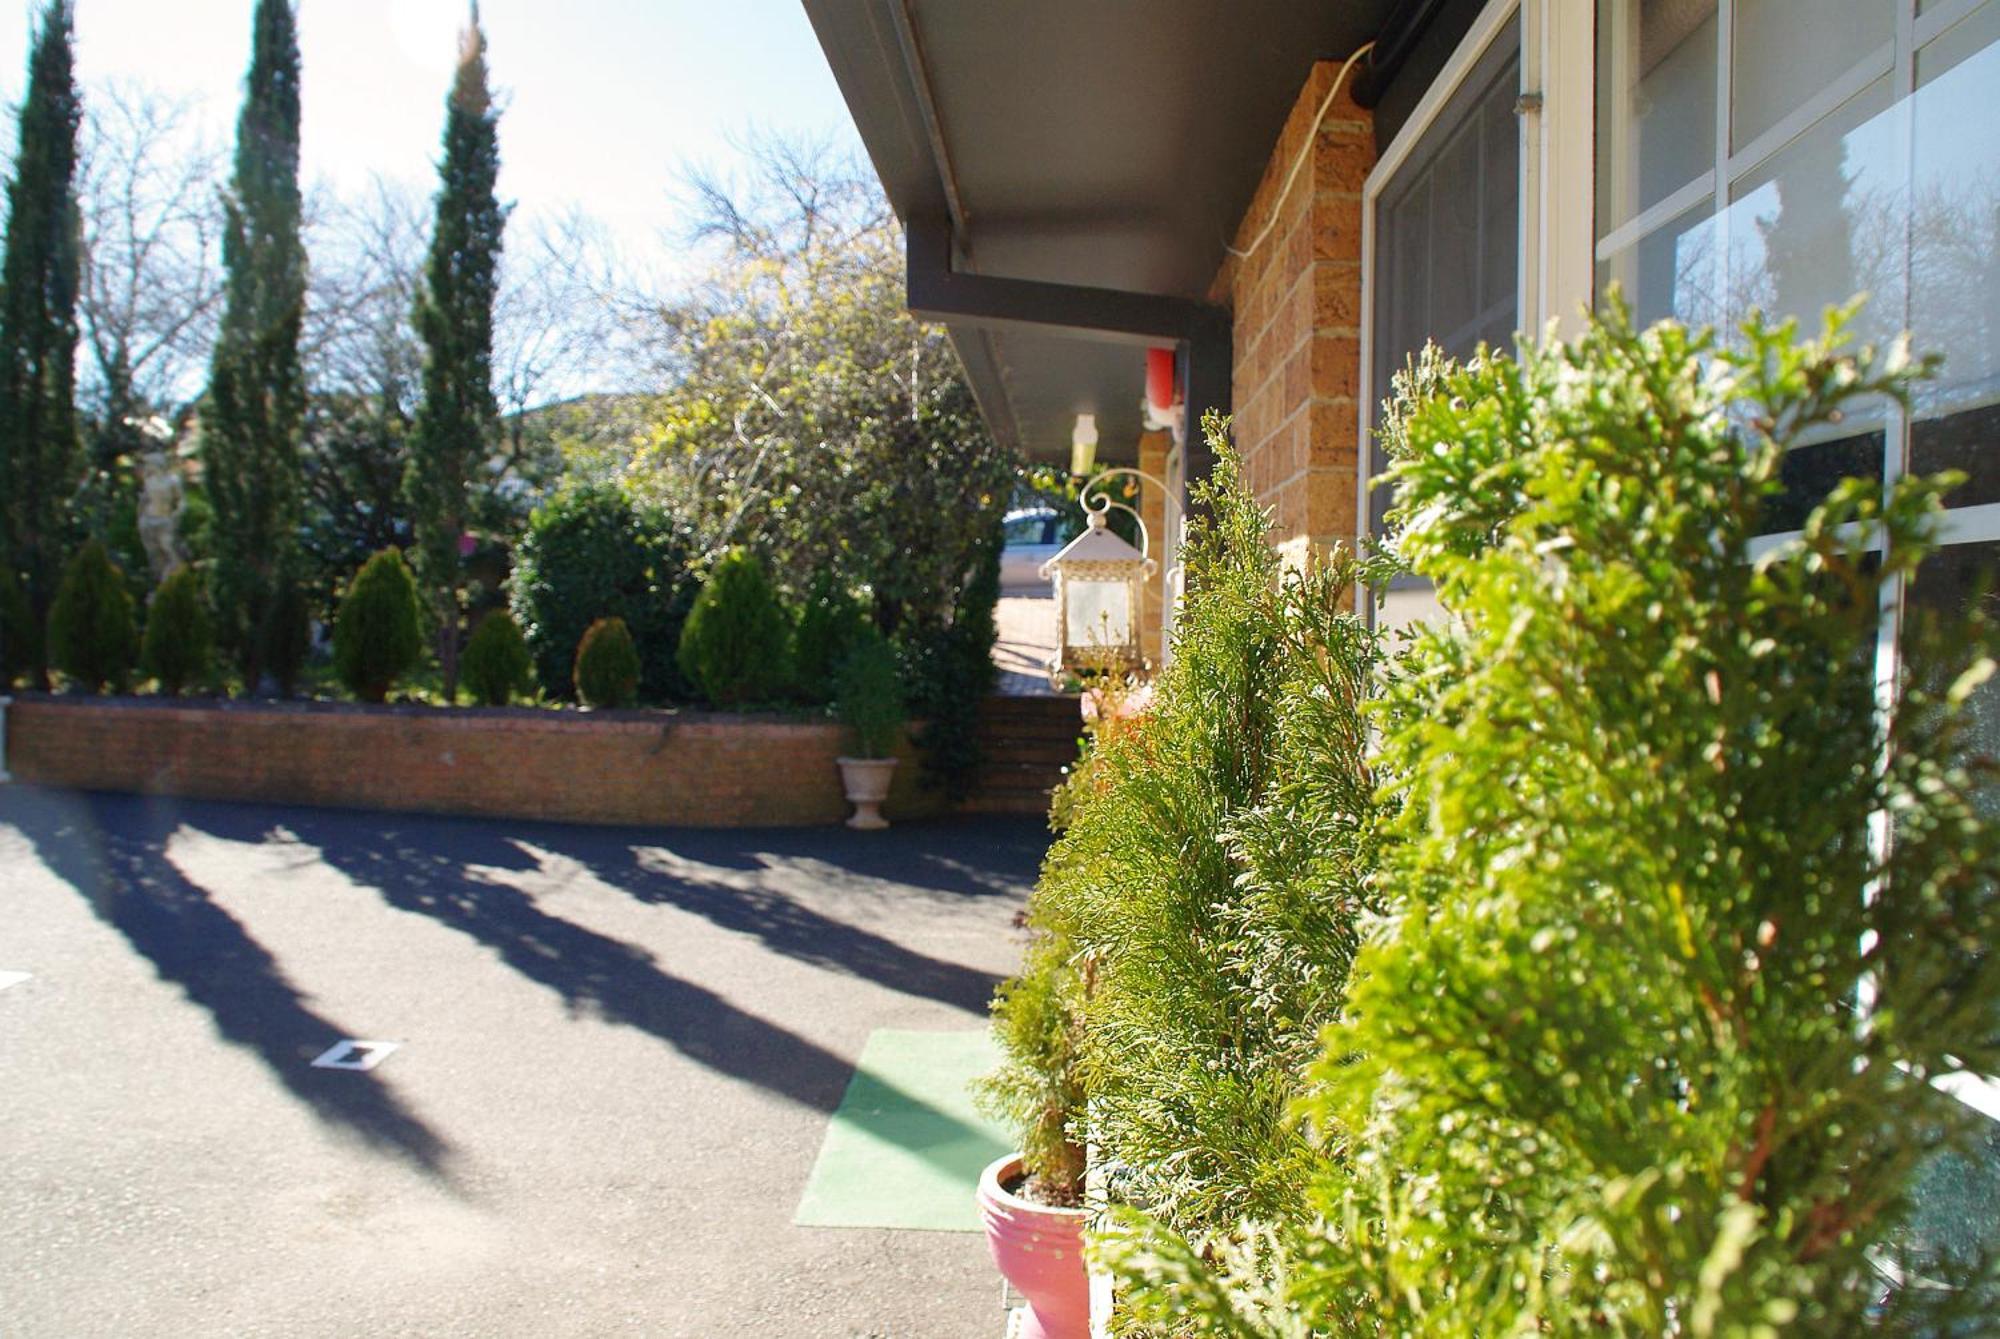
<point x="1297" y="302"/>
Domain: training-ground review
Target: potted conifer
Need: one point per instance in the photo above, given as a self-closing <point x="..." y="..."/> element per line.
<point x="1031" y="1202"/>
<point x="868" y="699"/>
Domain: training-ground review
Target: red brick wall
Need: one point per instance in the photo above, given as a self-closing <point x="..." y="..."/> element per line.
<point x="1297" y="304"/>
<point x="669" y="770"/>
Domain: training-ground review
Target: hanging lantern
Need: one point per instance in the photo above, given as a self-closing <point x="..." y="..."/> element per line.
<point x="1098" y="579"/>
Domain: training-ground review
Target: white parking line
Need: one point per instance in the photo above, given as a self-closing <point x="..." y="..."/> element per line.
<point x="357" y="1055"/>
<point x="14" y="978"/>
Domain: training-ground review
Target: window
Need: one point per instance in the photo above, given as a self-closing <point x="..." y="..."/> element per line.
<point x="1445" y="261"/>
<point x="1785" y="155"/>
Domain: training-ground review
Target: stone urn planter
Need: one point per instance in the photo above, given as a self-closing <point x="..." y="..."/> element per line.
<point x="1038" y="1249"/>
<point x="866" y="781"/>
<point x="868" y="699"/>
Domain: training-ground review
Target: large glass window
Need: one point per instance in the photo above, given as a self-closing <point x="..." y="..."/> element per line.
<point x="1447" y="246"/>
<point x="1785" y="155"/>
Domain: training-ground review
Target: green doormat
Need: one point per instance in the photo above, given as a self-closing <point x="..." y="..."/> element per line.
<point x="905" y="1148"/>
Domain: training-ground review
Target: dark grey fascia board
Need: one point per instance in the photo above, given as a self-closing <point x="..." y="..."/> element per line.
<point x="938" y="292"/>
<point x="981" y="362"/>
<point x="1203" y="333"/>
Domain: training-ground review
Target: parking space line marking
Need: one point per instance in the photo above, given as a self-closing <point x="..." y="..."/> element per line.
<point x="14" y="978"/>
<point x="355" y="1055"/>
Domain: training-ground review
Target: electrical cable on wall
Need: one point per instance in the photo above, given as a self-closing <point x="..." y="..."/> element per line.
<point x="1312" y="138"/>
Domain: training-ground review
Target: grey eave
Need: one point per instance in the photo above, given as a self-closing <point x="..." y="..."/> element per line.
<point x="1108" y="147"/>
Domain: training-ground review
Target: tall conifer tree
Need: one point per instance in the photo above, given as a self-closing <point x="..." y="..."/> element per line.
<point x="458" y="419"/>
<point x="256" y="404"/>
<point x="41" y="453"/>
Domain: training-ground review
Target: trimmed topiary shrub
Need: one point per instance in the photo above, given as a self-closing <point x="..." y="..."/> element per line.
<point x="591" y="553"/>
<point x="1213" y="873"/>
<point x="496" y="667"/>
<point x="607" y="665"/>
<point x="1687" y="923"/>
<point x="831" y="623"/>
<point x="736" y="648"/>
<point x="20" y="637"/>
<point x="179" y="645"/>
<point x="92" y="638"/>
<point x="868" y="696"/>
<point x="378" y="633"/>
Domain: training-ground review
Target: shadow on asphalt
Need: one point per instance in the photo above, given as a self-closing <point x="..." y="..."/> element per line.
<point x="731" y="879"/>
<point x="112" y="850"/>
<point x="424" y="866"/>
<point x="749" y="899"/>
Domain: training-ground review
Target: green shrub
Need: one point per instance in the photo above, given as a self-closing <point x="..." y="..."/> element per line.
<point x="736" y="647"/>
<point x="868" y="698"/>
<point x="1215" y="873"/>
<point x="378" y="633"/>
<point x="1038" y="1089"/>
<point x="286" y="636"/>
<point x="179" y="645"/>
<point x="592" y="553"/>
<point x="949" y="671"/>
<point x="20" y="636"/>
<point x="607" y="665"/>
<point x="91" y="634"/>
<point x="496" y="667"/>
<point x="830" y="623"/>
<point x="1603" y="1071"/>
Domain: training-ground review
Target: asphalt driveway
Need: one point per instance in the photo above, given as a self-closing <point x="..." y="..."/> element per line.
<point x="617" y="1054"/>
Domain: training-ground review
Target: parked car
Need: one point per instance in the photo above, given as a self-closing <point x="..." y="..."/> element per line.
<point x="1031" y="536"/>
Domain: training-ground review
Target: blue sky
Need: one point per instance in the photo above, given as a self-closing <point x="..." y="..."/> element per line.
<point x="606" y="100"/>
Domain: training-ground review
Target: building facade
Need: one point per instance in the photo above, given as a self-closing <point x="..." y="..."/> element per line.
<point x="1298" y="197"/>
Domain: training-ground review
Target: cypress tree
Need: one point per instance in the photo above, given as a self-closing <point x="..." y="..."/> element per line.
<point x="454" y="317"/>
<point x="256" y="396"/>
<point x="41" y="453"/>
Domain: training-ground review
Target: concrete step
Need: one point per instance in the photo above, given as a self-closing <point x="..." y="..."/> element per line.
<point x="1026" y="743"/>
<point x="1053" y="707"/>
<point x="1012" y="778"/>
<point x="1055" y="753"/>
<point x="1021" y="803"/>
<point x="1007" y="804"/>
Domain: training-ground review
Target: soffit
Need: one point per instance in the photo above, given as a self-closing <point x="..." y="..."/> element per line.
<point x="1107" y="145"/>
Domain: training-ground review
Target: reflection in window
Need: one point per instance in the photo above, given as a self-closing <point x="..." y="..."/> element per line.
<point x="1956" y="1201"/>
<point x="1788" y="51"/>
<point x="1821" y="220"/>
<point x="1850" y="160"/>
<point x="1656" y="126"/>
<point x="1856" y="166"/>
<point x="1955" y="211"/>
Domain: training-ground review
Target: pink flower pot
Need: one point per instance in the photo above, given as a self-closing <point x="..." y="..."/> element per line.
<point x="1039" y="1250"/>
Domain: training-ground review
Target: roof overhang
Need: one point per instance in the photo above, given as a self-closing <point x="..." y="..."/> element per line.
<point x="1069" y="176"/>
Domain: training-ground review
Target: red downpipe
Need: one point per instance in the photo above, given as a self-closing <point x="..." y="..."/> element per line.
<point x="1160" y="375"/>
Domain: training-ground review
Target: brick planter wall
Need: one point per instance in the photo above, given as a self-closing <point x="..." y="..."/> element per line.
<point x="657" y="768"/>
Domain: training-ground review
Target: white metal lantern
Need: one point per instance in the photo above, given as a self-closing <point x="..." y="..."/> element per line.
<point x="1098" y="579"/>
